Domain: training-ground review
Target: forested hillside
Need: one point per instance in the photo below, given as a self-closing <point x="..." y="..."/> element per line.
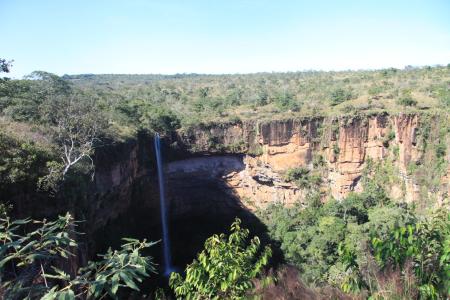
<point x="194" y="98"/>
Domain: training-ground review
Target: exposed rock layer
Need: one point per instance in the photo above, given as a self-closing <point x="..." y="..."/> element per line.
<point x="345" y="144"/>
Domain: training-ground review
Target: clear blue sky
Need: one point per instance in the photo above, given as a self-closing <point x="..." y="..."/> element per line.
<point x="229" y="36"/>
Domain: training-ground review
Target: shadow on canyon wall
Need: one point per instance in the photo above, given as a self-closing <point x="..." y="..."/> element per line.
<point x="200" y="205"/>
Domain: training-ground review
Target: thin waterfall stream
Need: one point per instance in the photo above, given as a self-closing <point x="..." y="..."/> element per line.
<point x="162" y="199"/>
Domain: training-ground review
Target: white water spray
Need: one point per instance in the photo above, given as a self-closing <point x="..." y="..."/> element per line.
<point x="162" y="201"/>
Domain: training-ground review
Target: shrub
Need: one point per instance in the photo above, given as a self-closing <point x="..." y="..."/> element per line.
<point x="426" y="244"/>
<point x="285" y="101"/>
<point x="255" y="150"/>
<point x="340" y="95"/>
<point x="224" y="269"/>
<point x="388" y="138"/>
<point x="375" y="90"/>
<point x="21" y="161"/>
<point x="262" y="98"/>
<point x="407" y="101"/>
<point x="318" y="161"/>
<point x="160" y="119"/>
<point x="336" y="149"/>
<point x="296" y="174"/>
<point x="302" y="178"/>
<point x="348" y="109"/>
<point x="440" y="150"/>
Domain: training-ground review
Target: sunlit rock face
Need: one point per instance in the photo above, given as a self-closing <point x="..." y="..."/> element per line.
<point x="345" y="143"/>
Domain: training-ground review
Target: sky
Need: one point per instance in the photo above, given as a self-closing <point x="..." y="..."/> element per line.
<point x="229" y="36"/>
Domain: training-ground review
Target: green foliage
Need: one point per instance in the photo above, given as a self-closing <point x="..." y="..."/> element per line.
<point x="406" y="99"/>
<point x="115" y="269"/>
<point x="331" y="243"/>
<point x="285" y="101"/>
<point x="340" y="95"/>
<point x="296" y="173"/>
<point x="237" y="147"/>
<point x="47" y="108"/>
<point x="30" y="99"/>
<point x="348" y="109"/>
<point x="262" y="98"/>
<point x="303" y="178"/>
<point x="149" y="115"/>
<point x="433" y="140"/>
<point x="441" y="149"/>
<point x="351" y="281"/>
<point x="224" y="269"/>
<point x="161" y="119"/>
<point x="255" y="150"/>
<point x="396" y="151"/>
<point x="30" y="264"/>
<point x="441" y="92"/>
<point x="426" y="245"/>
<point x="160" y="103"/>
<point x="388" y="138"/>
<point x="21" y="161"/>
<point x="375" y="90"/>
<point x="51" y="181"/>
<point x="318" y="161"/>
<point x="379" y="176"/>
<point x="336" y="149"/>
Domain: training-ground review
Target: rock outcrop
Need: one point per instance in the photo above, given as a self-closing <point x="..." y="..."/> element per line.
<point x="346" y="144"/>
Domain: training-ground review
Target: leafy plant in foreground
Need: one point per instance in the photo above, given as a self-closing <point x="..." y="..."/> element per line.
<point x="224" y="269"/>
<point x="427" y="245"/>
<point x="30" y="264"/>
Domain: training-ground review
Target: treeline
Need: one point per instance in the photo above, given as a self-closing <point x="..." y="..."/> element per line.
<point x="169" y="102"/>
<point x="197" y="98"/>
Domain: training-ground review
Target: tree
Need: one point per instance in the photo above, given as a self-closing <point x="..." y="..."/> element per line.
<point x="224" y="269"/>
<point x="21" y="161"/>
<point x="73" y="119"/>
<point x="77" y="131"/>
<point x="30" y="263"/>
<point x="340" y="95"/>
<point x="51" y="83"/>
<point x="78" y="125"/>
<point x="5" y="65"/>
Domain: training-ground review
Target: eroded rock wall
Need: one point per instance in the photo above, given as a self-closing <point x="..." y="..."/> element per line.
<point x="346" y="144"/>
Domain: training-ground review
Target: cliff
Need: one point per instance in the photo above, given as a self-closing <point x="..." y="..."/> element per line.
<point x="345" y="145"/>
<point x="208" y="166"/>
<point x="217" y="172"/>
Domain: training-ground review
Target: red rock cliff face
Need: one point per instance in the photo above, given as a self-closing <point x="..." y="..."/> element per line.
<point x="346" y="144"/>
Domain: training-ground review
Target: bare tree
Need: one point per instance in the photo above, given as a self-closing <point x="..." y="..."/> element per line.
<point x="78" y="125"/>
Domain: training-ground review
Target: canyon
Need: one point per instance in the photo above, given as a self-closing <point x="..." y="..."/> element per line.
<point x="207" y="166"/>
<point x="217" y="172"/>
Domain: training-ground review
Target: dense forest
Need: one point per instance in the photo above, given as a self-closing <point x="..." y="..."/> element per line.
<point x="364" y="246"/>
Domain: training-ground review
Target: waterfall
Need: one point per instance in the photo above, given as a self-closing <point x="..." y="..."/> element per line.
<point x="162" y="201"/>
